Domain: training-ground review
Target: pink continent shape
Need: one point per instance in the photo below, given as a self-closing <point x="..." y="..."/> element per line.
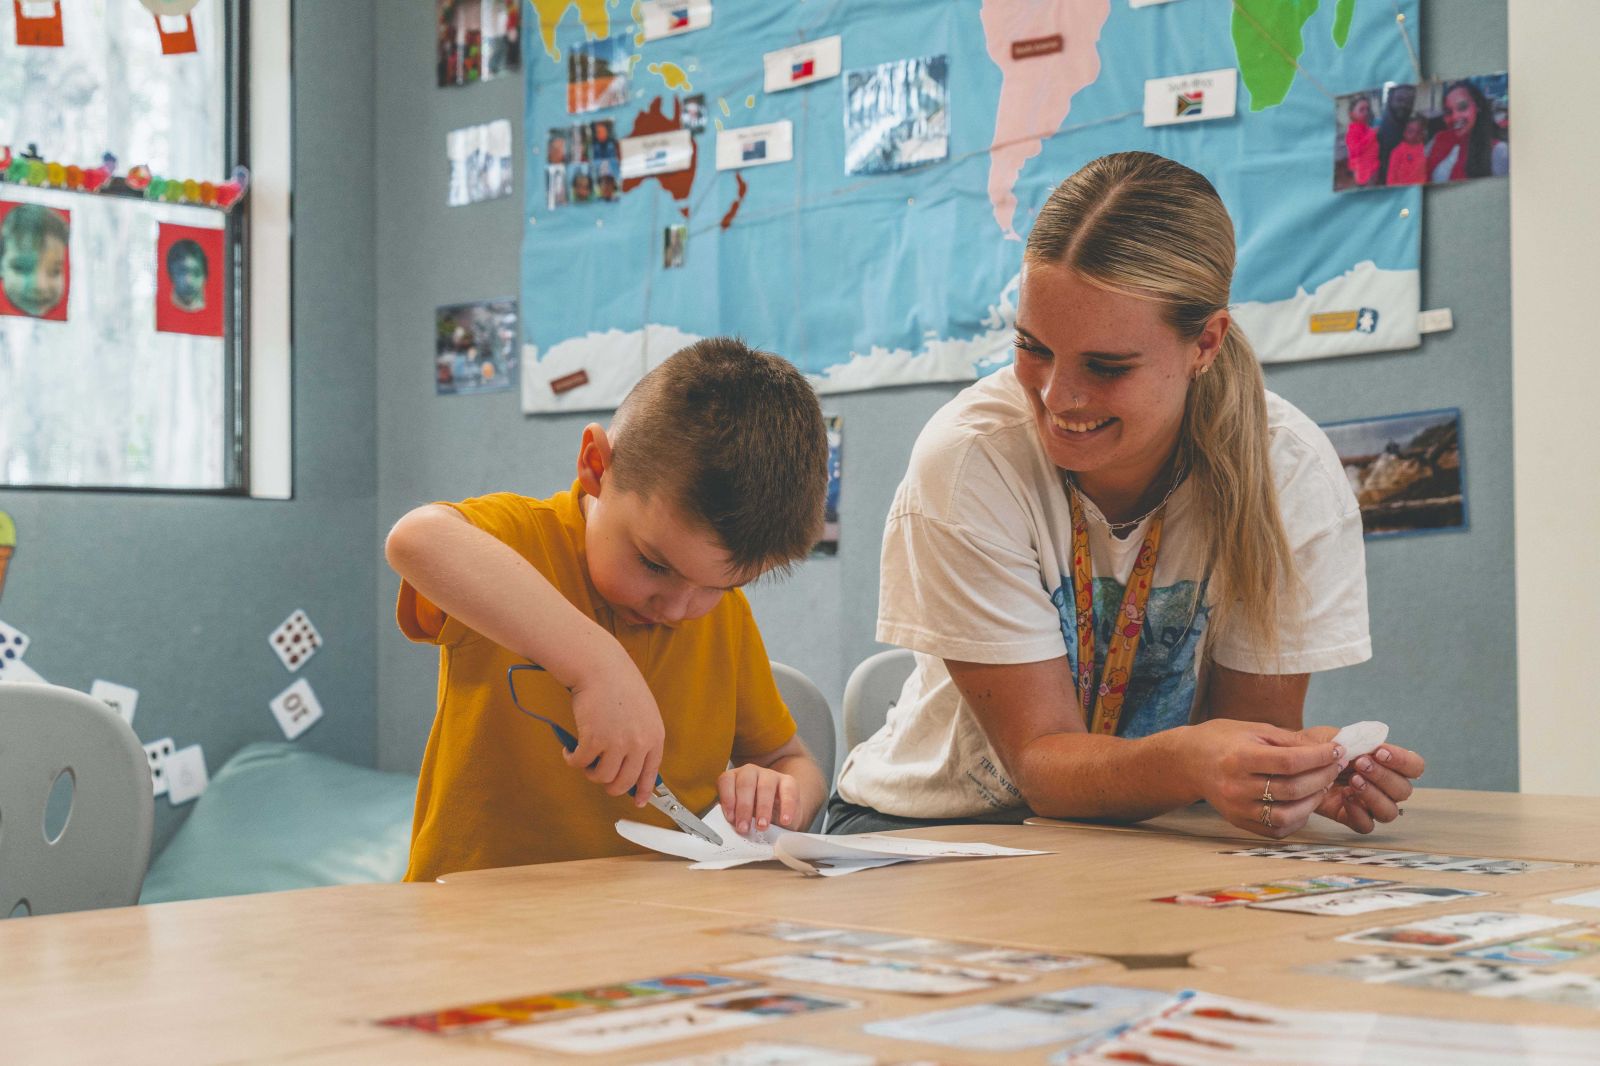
<point x="1035" y="93"/>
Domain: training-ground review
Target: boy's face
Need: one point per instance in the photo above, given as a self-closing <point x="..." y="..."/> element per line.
<point x="34" y="275"/>
<point x="1414" y="131"/>
<point x="652" y="565"/>
<point x="189" y="281"/>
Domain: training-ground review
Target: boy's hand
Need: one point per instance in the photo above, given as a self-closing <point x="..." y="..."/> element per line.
<point x="619" y="730"/>
<point x="751" y="795"/>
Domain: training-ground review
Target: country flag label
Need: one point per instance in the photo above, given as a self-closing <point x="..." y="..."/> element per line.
<point x="1202" y="97"/>
<point x="656" y="153"/>
<point x="669" y="18"/>
<point x="802" y="64"/>
<point x="754" y="146"/>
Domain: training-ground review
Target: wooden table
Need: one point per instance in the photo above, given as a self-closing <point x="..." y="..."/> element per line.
<point x="300" y="976"/>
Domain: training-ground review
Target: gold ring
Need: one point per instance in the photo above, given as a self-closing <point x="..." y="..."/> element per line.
<point x="1266" y="793"/>
<point x="1266" y="816"/>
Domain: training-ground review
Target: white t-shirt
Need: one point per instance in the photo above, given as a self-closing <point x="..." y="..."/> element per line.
<point x="977" y="567"/>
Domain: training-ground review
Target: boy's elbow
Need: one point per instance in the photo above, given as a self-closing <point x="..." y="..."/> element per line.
<point x="404" y="542"/>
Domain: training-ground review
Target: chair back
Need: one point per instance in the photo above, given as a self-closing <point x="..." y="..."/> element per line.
<point x="874" y="687"/>
<point x="102" y="847"/>
<point x="814" y="719"/>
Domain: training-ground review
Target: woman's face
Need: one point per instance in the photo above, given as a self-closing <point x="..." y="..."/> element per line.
<point x="1106" y="377"/>
<point x="1361" y="110"/>
<point x="1460" y="110"/>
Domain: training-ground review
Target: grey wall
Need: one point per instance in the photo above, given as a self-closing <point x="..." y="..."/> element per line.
<point x="1444" y="670"/>
<point x="175" y="595"/>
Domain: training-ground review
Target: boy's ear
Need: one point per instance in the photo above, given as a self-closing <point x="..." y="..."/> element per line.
<point x="594" y="458"/>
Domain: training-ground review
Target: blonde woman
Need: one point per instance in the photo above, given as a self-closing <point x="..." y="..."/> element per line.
<point x="1131" y="448"/>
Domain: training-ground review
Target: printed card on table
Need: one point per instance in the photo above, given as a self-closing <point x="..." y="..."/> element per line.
<point x="1455" y="932"/>
<point x="757" y="1053"/>
<point x="1200" y="97"/>
<point x="754" y="146"/>
<point x="790" y="68"/>
<point x="1367" y="900"/>
<point x="657" y="153"/>
<point x="669" y="18"/>
<point x="846" y="970"/>
<point x="1240" y="895"/>
<point x="617" y="1030"/>
<point x="296" y="708"/>
<point x="1017" y="1024"/>
<point x="1560" y="947"/>
<point x="119" y="698"/>
<point x="295" y="641"/>
<point x="1582" y="899"/>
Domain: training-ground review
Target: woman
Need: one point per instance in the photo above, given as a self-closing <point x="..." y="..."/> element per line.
<point x="1469" y="146"/>
<point x="1127" y="497"/>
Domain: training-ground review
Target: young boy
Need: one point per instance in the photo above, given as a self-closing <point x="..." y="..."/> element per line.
<point x="625" y="589"/>
<point x="33" y="259"/>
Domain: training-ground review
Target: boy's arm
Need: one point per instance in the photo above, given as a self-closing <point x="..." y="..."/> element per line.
<point x="483" y="582"/>
<point x="784" y="785"/>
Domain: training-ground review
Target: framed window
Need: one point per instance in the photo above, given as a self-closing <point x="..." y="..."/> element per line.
<point x="124" y="319"/>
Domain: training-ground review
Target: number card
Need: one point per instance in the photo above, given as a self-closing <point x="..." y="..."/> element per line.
<point x="296" y="709"/>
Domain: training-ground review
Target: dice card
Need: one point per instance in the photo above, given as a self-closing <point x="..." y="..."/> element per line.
<point x="186" y="774"/>
<point x="13" y="645"/>
<point x="158" y="751"/>
<point x="296" y="709"/>
<point x="296" y="640"/>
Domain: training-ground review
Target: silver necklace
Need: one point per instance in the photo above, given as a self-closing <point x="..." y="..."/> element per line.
<point x="1178" y="476"/>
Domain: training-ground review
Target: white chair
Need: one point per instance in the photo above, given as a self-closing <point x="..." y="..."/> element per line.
<point x="874" y="687"/>
<point x="814" y="719"/>
<point x="101" y="845"/>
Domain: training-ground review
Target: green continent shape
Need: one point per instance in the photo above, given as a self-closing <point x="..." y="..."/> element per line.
<point x="1268" y="38"/>
<point x="1342" y="16"/>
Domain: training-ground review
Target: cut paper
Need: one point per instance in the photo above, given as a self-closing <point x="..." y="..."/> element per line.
<point x="189" y="269"/>
<point x="1361" y="738"/>
<point x="813" y="854"/>
<point x="186" y="775"/>
<point x="119" y="698"/>
<point x="39" y="24"/>
<point x="177" y="34"/>
<point x="296" y="708"/>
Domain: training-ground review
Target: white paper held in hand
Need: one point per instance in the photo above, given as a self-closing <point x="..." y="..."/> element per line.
<point x="814" y="854"/>
<point x="1360" y="738"/>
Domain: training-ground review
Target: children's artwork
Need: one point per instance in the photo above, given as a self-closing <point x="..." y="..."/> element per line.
<point x="1075" y="1014"/>
<point x="475" y="348"/>
<point x="612" y="1031"/>
<point x="1202" y="97"/>
<point x="38" y="23"/>
<point x="1432" y="132"/>
<point x="186" y="775"/>
<point x="829" y="544"/>
<point x="755" y="146"/>
<point x="801" y="64"/>
<point x="174" y="25"/>
<point x="13" y="646"/>
<point x="848" y="970"/>
<point x="120" y="698"/>
<point x="8" y="547"/>
<point x="1398" y="860"/>
<point x="296" y="708"/>
<point x="1367" y="900"/>
<point x="1455" y="932"/>
<point x="189" y="264"/>
<point x="813" y="854"/>
<point x="1405" y="470"/>
<point x="158" y="752"/>
<point x="1544" y="950"/>
<point x="674" y="243"/>
<point x="478" y="40"/>
<point x="480" y="162"/>
<point x="597" y="74"/>
<point x="295" y="640"/>
<point x="896" y="116"/>
<point x="1289" y="888"/>
<point x="582" y="164"/>
<point x="757" y="1053"/>
<point x="35" y="261"/>
<point x="669" y="18"/>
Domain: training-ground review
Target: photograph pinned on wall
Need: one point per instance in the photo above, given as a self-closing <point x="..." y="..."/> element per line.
<point x="35" y="261"/>
<point x="674" y="243"/>
<point x="1405" y="470"/>
<point x="693" y="117"/>
<point x="1431" y="133"/>
<point x="582" y="164"/>
<point x="8" y="546"/>
<point x="189" y="263"/>
<point x="478" y="40"/>
<point x="829" y="544"/>
<point x="476" y="348"/>
<point x="896" y="115"/>
<point x="597" y="74"/>
<point x="480" y="162"/>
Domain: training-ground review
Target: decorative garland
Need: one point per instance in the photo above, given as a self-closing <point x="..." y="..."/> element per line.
<point x="29" y="168"/>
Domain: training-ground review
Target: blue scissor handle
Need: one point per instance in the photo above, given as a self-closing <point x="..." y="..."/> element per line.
<point x="568" y="741"/>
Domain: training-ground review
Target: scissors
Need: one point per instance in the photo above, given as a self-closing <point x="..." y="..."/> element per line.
<point x="661" y="798"/>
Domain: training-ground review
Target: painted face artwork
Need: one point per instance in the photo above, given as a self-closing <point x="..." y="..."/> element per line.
<point x="34" y="274"/>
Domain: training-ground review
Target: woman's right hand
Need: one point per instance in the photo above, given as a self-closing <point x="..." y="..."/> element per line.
<point x="1233" y="764"/>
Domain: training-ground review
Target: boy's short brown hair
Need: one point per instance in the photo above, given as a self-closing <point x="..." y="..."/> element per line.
<point x="735" y="437"/>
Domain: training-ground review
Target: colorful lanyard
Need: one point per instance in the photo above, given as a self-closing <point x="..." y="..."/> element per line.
<point x="1118" y="668"/>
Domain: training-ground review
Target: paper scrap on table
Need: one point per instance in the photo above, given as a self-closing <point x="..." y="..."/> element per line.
<point x="810" y="853"/>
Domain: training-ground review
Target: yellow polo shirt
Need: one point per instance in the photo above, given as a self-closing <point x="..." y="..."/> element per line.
<point x="494" y="789"/>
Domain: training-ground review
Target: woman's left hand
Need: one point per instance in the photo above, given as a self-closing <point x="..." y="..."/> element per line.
<point x="1373" y="787"/>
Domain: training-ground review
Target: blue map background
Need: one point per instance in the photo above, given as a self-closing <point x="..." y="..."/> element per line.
<point x="903" y="278"/>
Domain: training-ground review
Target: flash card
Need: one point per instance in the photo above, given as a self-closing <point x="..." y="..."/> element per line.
<point x="186" y="774"/>
<point x="296" y="709"/>
<point x="13" y="645"/>
<point x="119" y="698"/>
<point x="158" y="752"/>
<point x="296" y="640"/>
<point x="1466" y="929"/>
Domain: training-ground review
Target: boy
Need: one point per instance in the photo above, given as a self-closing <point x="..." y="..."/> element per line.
<point x="33" y="259"/>
<point x="186" y="267"/>
<point x="625" y="589"/>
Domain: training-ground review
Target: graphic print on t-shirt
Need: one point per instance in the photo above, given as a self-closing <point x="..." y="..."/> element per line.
<point x="1162" y="690"/>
